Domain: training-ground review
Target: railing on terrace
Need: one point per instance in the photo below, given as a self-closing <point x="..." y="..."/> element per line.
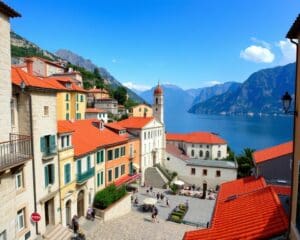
<point x="15" y="151"/>
<point x="82" y="177"/>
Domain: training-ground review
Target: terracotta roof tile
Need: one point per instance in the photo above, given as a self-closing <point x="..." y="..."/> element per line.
<point x="135" y="122"/>
<point x="126" y="179"/>
<point x="254" y="214"/>
<point x="172" y="149"/>
<point x="196" y="137"/>
<point x="115" y="126"/>
<point x="94" y="110"/>
<point x="84" y="131"/>
<point x="273" y="152"/>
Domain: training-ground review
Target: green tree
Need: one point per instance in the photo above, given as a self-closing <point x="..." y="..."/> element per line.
<point x="120" y="94"/>
<point x="245" y="162"/>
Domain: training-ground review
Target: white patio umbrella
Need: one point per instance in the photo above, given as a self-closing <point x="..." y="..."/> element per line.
<point x="150" y="201"/>
<point x="179" y="182"/>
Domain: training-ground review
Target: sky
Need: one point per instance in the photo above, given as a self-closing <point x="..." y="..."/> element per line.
<point x="189" y="43"/>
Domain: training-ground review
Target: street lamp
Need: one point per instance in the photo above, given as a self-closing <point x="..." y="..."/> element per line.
<point x="286" y="102"/>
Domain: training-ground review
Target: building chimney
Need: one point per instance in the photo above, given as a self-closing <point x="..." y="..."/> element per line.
<point x="29" y="65"/>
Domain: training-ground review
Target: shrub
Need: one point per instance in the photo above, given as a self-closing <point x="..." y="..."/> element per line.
<point x="175" y="218"/>
<point x="174" y="188"/>
<point x="108" y="196"/>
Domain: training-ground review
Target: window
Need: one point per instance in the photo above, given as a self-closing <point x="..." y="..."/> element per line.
<point x="140" y="109"/>
<point x="81" y="98"/>
<point x="3" y="235"/>
<point x="67" y="173"/>
<point x="156" y="102"/>
<point x="78" y="115"/>
<point x="88" y="162"/>
<point x="207" y="146"/>
<point x="110" y="155"/>
<point x="47" y="144"/>
<point x="192" y="153"/>
<point x="49" y="174"/>
<point x="79" y="166"/>
<point x="200" y="153"/>
<point x="193" y="171"/>
<point x="117" y="152"/>
<point x="100" y="156"/>
<point x="100" y="178"/>
<point x="145" y="135"/>
<point x="116" y="172"/>
<point x="219" y="154"/>
<point x="193" y="145"/>
<point x="67" y="97"/>
<point x="67" y="106"/>
<point x="77" y="97"/>
<point x="46" y="111"/>
<point x="207" y="154"/>
<point x="109" y="175"/>
<point x="218" y="173"/>
<point x="19" y="180"/>
<point x="65" y="141"/>
<point x="12" y="113"/>
<point x="204" y="172"/>
<point x="123" y="169"/>
<point x="67" y="116"/>
<point x="77" y="106"/>
<point x="148" y="135"/>
<point x="122" y="151"/>
<point x="21" y="219"/>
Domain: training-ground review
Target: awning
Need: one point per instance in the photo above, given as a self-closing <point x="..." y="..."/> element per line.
<point x="127" y="179"/>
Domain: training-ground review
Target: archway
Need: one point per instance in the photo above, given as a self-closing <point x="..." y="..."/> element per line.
<point x="68" y="212"/>
<point x="80" y="204"/>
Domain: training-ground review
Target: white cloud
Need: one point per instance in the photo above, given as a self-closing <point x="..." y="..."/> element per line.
<point x="288" y="51"/>
<point x="261" y="42"/>
<point x="138" y="87"/>
<point x="114" y="60"/>
<point x="211" y="83"/>
<point x="257" y="54"/>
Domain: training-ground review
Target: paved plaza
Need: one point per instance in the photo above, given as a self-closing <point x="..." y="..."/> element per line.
<point x="137" y="225"/>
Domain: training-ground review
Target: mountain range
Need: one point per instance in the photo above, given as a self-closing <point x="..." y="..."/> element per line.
<point x="260" y="94"/>
<point x="21" y="48"/>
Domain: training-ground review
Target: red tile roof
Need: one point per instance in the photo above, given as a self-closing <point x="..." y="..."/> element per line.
<point x="273" y="152"/>
<point x="18" y="75"/>
<point x="135" y="122"/>
<point x="126" y="179"/>
<point x="87" y="137"/>
<point x="196" y="137"/>
<point x="94" y="110"/>
<point x="63" y="128"/>
<point x="172" y="149"/>
<point x="97" y="90"/>
<point x="253" y="214"/>
<point x="282" y="190"/>
<point x="240" y="186"/>
<point x="115" y="125"/>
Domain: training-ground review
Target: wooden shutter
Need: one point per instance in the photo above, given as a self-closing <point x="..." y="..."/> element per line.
<point x="98" y="157"/>
<point x="98" y="179"/>
<point x="79" y="166"/>
<point x="46" y="176"/>
<point x="67" y="173"/>
<point x="52" y="143"/>
<point x="101" y="178"/>
<point x="52" y="173"/>
<point x="88" y="162"/>
<point x="43" y="144"/>
<point x="102" y="156"/>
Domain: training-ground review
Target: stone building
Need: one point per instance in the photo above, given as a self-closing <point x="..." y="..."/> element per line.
<point x="16" y="183"/>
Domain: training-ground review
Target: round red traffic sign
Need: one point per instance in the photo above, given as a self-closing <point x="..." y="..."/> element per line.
<point x="35" y="217"/>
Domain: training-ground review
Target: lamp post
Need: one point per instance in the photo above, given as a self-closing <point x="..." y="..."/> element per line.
<point x="286" y="102"/>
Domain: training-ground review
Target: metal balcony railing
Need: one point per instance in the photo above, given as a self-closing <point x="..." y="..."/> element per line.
<point x="15" y="151"/>
<point x="82" y="177"/>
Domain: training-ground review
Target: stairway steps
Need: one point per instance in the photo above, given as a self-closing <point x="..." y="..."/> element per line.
<point x="153" y="178"/>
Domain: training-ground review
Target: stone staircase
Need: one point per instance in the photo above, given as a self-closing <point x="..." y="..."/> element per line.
<point x="154" y="178"/>
<point x="58" y="232"/>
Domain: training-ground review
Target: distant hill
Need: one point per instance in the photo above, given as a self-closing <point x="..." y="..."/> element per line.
<point x="89" y="65"/>
<point x="260" y="93"/>
<point x="21" y="47"/>
<point x="206" y="93"/>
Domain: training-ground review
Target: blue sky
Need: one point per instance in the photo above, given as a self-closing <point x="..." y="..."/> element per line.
<point x="189" y="43"/>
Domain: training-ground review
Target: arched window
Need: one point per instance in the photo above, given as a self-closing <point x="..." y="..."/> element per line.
<point x="219" y="154"/>
<point x="201" y="153"/>
<point x="156" y="100"/>
<point x="192" y="153"/>
<point x="207" y="154"/>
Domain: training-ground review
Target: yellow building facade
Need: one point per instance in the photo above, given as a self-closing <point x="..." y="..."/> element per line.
<point x="141" y="110"/>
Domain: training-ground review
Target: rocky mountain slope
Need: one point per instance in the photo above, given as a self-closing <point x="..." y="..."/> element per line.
<point x="260" y="93"/>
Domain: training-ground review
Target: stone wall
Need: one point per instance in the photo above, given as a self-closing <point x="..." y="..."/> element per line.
<point x="118" y="209"/>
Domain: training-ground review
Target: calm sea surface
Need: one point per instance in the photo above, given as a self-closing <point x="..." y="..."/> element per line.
<point x="239" y="131"/>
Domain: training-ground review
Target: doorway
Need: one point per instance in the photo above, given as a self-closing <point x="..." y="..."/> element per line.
<point x="49" y="212"/>
<point x="68" y="212"/>
<point x="80" y="204"/>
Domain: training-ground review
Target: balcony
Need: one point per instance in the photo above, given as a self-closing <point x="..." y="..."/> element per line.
<point x="83" y="177"/>
<point x="49" y="153"/>
<point x="15" y="152"/>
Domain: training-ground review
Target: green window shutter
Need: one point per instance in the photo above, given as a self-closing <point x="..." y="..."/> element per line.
<point x="79" y="166"/>
<point x="102" y="156"/>
<point x="67" y="173"/>
<point x="98" y="179"/>
<point x="52" y="173"/>
<point x="81" y="98"/>
<point x="52" y="143"/>
<point x="102" y="178"/>
<point x="98" y="157"/>
<point x="67" y="116"/>
<point x="68" y="141"/>
<point x="43" y="144"/>
<point x="77" y="97"/>
<point x="88" y="162"/>
<point x="46" y="176"/>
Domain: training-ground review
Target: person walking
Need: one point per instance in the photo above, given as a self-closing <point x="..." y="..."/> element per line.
<point x="167" y="202"/>
<point x="162" y="196"/>
<point x="75" y="225"/>
<point x="158" y="196"/>
<point x="155" y="214"/>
